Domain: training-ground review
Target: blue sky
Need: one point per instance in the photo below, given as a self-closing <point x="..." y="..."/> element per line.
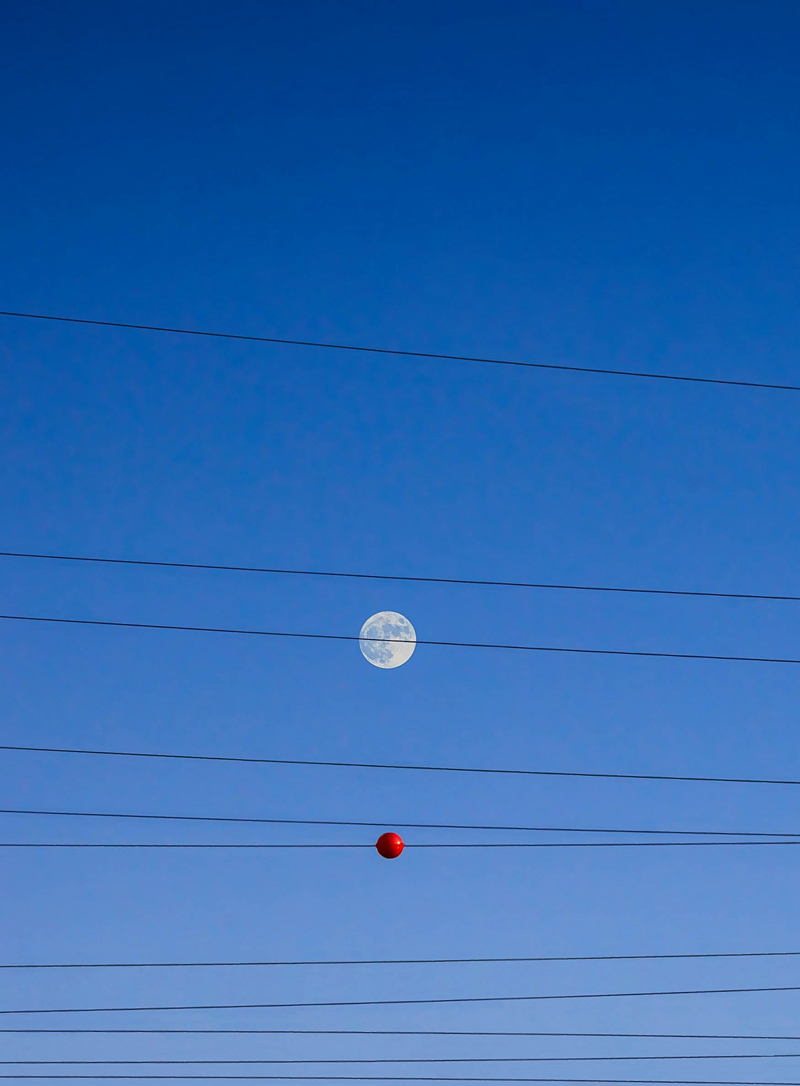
<point x="608" y="184"/>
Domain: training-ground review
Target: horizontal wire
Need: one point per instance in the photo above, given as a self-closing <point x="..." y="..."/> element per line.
<point x="400" y="1002"/>
<point x="413" y="1033"/>
<point x="399" y="766"/>
<point x="416" y="1078"/>
<point x="399" y="577"/>
<point x="396" y="352"/>
<point x="228" y="845"/>
<point x="411" y="961"/>
<point x="427" y="1059"/>
<point x="385" y="822"/>
<point x="408" y="845"/>
<point x="402" y="641"/>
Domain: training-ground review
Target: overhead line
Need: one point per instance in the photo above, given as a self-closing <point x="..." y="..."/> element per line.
<point x="399" y="766"/>
<point x="399" y="641"/>
<point x="384" y="1060"/>
<point x="408" y="845"/>
<point x="412" y="1078"/>
<point x="399" y="577"/>
<point x="409" y="961"/>
<point x="388" y="822"/>
<point x="235" y="845"/>
<point x="410" y="1033"/>
<point x="396" y="352"/>
<point x="398" y="1002"/>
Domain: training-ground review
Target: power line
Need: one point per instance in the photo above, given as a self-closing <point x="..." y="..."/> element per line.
<point x="383" y="1060"/>
<point x="412" y="1033"/>
<point x="398" y="577"/>
<point x="399" y="766"/>
<point x="399" y="1002"/>
<point x="408" y="845"/>
<point x="391" y="640"/>
<point x="386" y="822"/>
<point x="396" y="352"/>
<point x="234" y="845"/>
<point x="410" y="961"/>
<point x="413" y="1078"/>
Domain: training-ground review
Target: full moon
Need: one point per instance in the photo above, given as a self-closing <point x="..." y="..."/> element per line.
<point x="387" y="639"/>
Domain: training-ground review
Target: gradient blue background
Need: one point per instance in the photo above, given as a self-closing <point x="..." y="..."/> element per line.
<point x="605" y="184"/>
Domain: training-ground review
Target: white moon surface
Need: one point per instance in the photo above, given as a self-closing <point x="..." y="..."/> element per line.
<point x="387" y="639"/>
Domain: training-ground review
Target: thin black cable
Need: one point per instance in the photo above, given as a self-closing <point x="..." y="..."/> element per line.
<point x="413" y="1078"/>
<point x="399" y="1002"/>
<point x="408" y="845"/>
<point x="396" y="352"/>
<point x="398" y="577"/>
<point x="234" y="845"/>
<point x="386" y="822"/>
<point x="409" y="961"/>
<point x="399" y="766"/>
<point x="412" y="1033"/>
<point x="399" y="641"/>
<point x="382" y="1060"/>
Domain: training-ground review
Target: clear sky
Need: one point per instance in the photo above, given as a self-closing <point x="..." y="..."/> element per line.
<point x="586" y="183"/>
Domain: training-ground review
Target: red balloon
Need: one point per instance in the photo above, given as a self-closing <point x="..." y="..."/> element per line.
<point x="390" y="845"/>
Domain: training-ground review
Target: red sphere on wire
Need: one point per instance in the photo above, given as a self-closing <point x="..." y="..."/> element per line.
<point x="390" y="845"/>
